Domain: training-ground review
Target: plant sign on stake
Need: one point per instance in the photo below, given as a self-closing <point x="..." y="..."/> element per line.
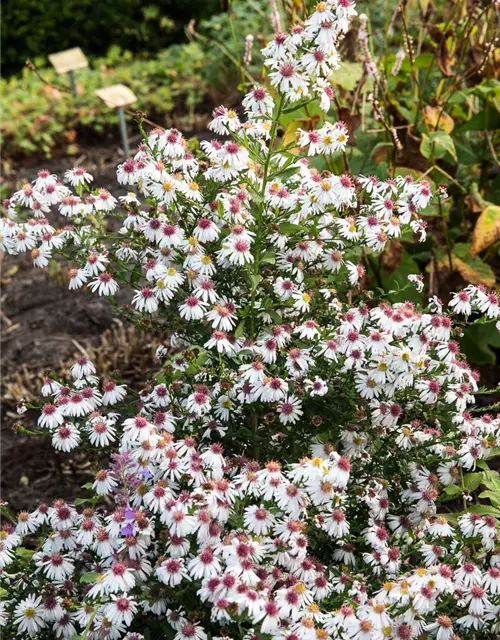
<point x="118" y="96"/>
<point x="297" y="465"/>
<point x="68" y="62"/>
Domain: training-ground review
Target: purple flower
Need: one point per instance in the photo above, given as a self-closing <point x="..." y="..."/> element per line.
<point x="128" y="529"/>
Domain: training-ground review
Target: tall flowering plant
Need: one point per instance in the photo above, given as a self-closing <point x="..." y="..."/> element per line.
<point x="284" y="473"/>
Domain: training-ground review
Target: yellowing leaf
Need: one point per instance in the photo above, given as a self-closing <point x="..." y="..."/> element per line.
<point x="487" y="229"/>
<point x="474" y="271"/>
<point x="290" y="135"/>
<point x="437" y="120"/>
<point x="382" y="152"/>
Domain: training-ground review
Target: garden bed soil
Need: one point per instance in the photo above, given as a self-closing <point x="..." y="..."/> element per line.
<point x="41" y="324"/>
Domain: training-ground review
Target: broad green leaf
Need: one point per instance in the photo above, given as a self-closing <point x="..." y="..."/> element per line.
<point x="485" y="510"/>
<point x="453" y="490"/>
<point x="421" y="61"/>
<point x="478" y="343"/>
<point x="436" y="145"/>
<point x="487" y="229"/>
<point x="398" y="279"/>
<point x="486" y="120"/>
<point x="25" y="554"/>
<point x="287" y="228"/>
<point x="255" y="279"/>
<point x="473" y="480"/>
<point x="493" y="496"/>
<point x="89" y="577"/>
<point x="348" y="75"/>
<point x="268" y="258"/>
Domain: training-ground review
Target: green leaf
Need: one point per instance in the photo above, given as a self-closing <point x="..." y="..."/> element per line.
<point x="348" y="75"/>
<point x="24" y="554"/>
<point x="255" y="280"/>
<point x="466" y="154"/>
<point x="285" y="174"/>
<point x="89" y="577"/>
<point x="437" y="144"/>
<point x="297" y="106"/>
<point x="486" y="120"/>
<point x="484" y="510"/>
<point x="453" y="490"/>
<point x="493" y="496"/>
<point x="421" y="61"/>
<point x="268" y="258"/>
<point x="398" y="279"/>
<point x="240" y="329"/>
<point x="482" y="464"/>
<point x="287" y="228"/>
<point x="478" y="343"/>
<point x="275" y="316"/>
<point x="473" y="480"/>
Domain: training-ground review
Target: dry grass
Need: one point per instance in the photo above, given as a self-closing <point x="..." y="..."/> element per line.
<point x="121" y="348"/>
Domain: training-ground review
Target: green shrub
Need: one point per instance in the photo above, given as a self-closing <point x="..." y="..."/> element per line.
<point x="37" y="117"/>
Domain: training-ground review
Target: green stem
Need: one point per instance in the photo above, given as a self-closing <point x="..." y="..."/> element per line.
<point x="260" y="211"/>
<point x="235" y="42"/>
<point x="89" y="625"/>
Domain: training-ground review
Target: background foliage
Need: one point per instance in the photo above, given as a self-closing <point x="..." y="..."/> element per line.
<point x="32" y="28"/>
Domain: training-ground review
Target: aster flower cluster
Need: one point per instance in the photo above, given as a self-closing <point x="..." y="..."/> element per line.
<point x="284" y="473"/>
<point x="189" y="542"/>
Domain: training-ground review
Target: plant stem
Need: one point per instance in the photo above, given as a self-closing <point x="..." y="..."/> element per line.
<point x="235" y="42"/>
<point x="260" y="211"/>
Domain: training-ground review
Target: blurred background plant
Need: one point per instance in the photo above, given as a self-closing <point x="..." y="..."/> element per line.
<point x="35" y="28"/>
<point x="177" y="85"/>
